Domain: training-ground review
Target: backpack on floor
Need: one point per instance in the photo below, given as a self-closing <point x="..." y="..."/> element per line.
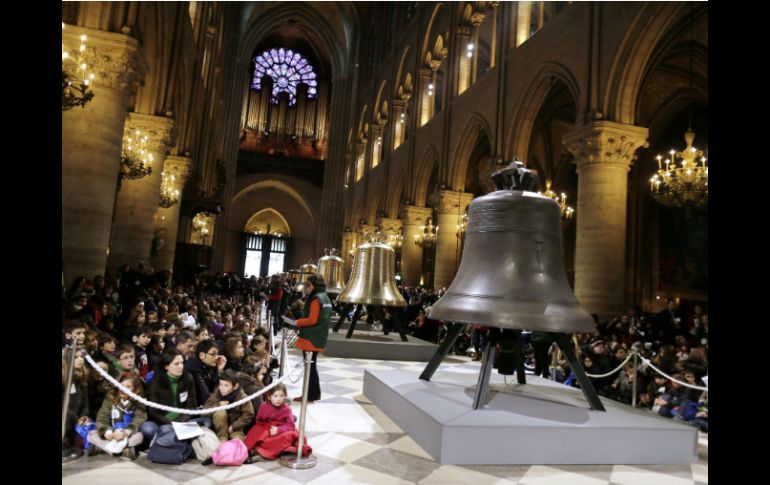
<point x="231" y="452"/>
<point x="166" y="448"/>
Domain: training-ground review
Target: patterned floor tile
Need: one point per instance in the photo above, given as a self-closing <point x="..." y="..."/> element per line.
<point x="700" y="473"/>
<point x="450" y="474"/>
<point x="600" y="472"/>
<point x="633" y="475"/>
<point x="408" y="445"/>
<point x="325" y="465"/>
<point x="546" y="475"/>
<point x="509" y="472"/>
<point x="375" y="438"/>
<point x="400" y="465"/>
<point x="341" y="447"/>
<point x="351" y="473"/>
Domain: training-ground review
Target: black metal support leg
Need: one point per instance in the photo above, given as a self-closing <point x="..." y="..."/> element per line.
<point x="589" y="392"/>
<point x="482" y="387"/>
<point x="443" y="350"/>
<point x="397" y="324"/>
<point x="343" y="316"/>
<point x="518" y="357"/>
<point x="354" y="321"/>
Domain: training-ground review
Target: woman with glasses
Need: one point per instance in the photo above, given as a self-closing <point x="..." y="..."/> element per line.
<point x="205" y="367"/>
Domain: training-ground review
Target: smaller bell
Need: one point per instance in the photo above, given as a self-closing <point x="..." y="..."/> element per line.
<point x="305" y="270"/>
<point x="373" y="281"/>
<point x="330" y="267"/>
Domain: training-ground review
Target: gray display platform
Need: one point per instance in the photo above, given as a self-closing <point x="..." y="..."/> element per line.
<point x="374" y="345"/>
<point x="541" y="422"/>
<point x="361" y="325"/>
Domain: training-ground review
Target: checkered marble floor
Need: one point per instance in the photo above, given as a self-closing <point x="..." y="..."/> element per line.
<point x="355" y="442"/>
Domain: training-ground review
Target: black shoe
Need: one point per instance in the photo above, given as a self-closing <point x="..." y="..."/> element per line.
<point x="208" y="461"/>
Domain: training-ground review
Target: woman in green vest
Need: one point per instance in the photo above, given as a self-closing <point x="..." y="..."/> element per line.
<point x="314" y="329"/>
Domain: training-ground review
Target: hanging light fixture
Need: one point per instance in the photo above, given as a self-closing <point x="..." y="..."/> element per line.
<point x="78" y="94"/>
<point x="395" y="241"/>
<point x="169" y="195"/>
<point x="686" y="185"/>
<point x="136" y="160"/>
<point x="428" y="234"/>
<point x="677" y="186"/>
<point x="566" y="211"/>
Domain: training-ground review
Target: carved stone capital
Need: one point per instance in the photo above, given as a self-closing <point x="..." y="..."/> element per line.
<point x="463" y="32"/>
<point x="363" y="232"/>
<point x="159" y="129"/>
<point x="606" y="142"/>
<point x="116" y="60"/>
<point x="476" y="19"/>
<point x="450" y="201"/>
<point x="179" y="167"/>
<point x="413" y="215"/>
<point x="389" y="226"/>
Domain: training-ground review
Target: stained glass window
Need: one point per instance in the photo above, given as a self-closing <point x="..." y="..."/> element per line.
<point x="288" y="69"/>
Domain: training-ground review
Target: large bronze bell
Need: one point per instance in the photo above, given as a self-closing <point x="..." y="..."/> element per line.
<point x="305" y="270"/>
<point x="372" y="281"/>
<point x="512" y="277"/>
<point x="512" y="272"/>
<point x="330" y="268"/>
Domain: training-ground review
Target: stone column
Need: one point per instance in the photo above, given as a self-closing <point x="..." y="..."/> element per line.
<point x="376" y="137"/>
<point x="411" y="254"/>
<point x="464" y="63"/>
<point x="450" y="206"/>
<point x="603" y="152"/>
<point x="92" y="137"/>
<point x="476" y="20"/>
<point x="493" y="46"/>
<point x="523" y="17"/>
<point x="426" y="101"/>
<point x="348" y="239"/>
<point x="138" y="199"/>
<point x="399" y="116"/>
<point x="391" y="227"/>
<point x="167" y="219"/>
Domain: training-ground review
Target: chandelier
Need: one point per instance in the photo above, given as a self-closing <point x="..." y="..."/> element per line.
<point x="395" y="241"/>
<point x="200" y="224"/>
<point x="462" y="225"/>
<point x="136" y="160"/>
<point x="688" y="185"/>
<point x="168" y="194"/>
<point x="428" y="235"/>
<point x="566" y="211"/>
<point x="79" y="94"/>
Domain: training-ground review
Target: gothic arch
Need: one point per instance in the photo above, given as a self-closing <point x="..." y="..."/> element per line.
<point x="520" y="133"/>
<point x="277" y="184"/>
<point x="437" y="10"/>
<point x="394" y="194"/>
<point x="428" y="163"/>
<point x="400" y="71"/>
<point x="373" y="202"/>
<point x="268" y="210"/>
<point x="633" y="58"/>
<point x="476" y="127"/>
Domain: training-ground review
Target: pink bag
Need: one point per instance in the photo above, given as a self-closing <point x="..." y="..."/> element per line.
<point x="231" y="452"/>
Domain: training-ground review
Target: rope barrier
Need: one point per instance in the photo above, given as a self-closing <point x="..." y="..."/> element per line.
<point x="647" y="362"/>
<point x="163" y="407"/>
<point x="691" y="386"/>
<point x="615" y="370"/>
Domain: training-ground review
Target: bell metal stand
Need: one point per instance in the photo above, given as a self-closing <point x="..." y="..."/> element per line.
<point x="341" y="307"/>
<point x="480" y="397"/>
<point x="357" y="313"/>
<point x="300" y="462"/>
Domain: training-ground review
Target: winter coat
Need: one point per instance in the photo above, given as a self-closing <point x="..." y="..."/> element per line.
<point x="110" y="414"/>
<point x="159" y="392"/>
<point x="238" y="417"/>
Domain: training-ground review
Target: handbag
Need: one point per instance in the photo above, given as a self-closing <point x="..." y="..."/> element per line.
<point x="168" y="449"/>
<point x="205" y="445"/>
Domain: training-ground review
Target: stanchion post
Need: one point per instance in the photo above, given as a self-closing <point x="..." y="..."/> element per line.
<point x="68" y="454"/>
<point x="283" y="353"/>
<point x="636" y="379"/>
<point x="299" y="462"/>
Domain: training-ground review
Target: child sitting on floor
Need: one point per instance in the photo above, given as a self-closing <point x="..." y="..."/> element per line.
<point x="274" y="432"/>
